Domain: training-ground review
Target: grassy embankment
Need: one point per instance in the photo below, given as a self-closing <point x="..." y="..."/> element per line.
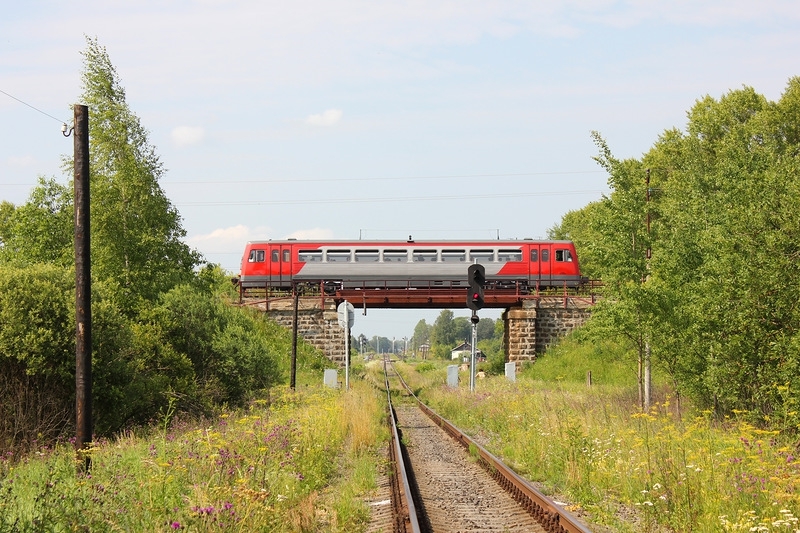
<point x="300" y="461"/>
<point x="304" y="461"/>
<point x="668" y="469"/>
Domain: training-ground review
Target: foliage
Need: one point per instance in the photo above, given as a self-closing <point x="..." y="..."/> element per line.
<point x="665" y="469"/>
<point x="36" y="352"/>
<point x="41" y="230"/>
<point x="164" y="336"/>
<point x="136" y="232"/>
<point x="717" y="298"/>
<point x="422" y="334"/>
<point x="449" y="331"/>
<point x="274" y="466"/>
<point x="191" y="350"/>
<point x="6" y="214"/>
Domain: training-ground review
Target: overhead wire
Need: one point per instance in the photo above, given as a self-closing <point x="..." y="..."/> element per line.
<point x="387" y="199"/>
<point x="347" y="200"/>
<point x="45" y="113"/>
<point x="389" y="178"/>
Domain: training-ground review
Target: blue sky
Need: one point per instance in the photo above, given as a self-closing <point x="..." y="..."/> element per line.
<point x="348" y="119"/>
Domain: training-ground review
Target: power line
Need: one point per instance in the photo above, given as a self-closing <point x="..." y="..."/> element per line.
<point x="387" y="199"/>
<point x="316" y="180"/>
<point x="34" y="108"/>
<point x="165" y="183"/>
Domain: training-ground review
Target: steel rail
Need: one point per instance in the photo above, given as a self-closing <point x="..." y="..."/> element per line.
<point x="553" y="518"/>
<point x="405" y="512"/>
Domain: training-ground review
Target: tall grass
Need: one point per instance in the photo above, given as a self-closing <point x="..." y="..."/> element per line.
<point x="281" y="465"/>
<point x="682" y="471"/>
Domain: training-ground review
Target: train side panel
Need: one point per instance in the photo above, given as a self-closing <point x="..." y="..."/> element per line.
<point x="534" y="263"/>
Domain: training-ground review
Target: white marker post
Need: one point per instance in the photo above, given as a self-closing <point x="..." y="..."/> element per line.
<point x="347" y="314"/>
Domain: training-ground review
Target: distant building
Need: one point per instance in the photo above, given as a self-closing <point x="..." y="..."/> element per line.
<point x="464" y="351"/>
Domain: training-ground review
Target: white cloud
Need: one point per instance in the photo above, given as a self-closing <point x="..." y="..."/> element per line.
<point x="230" y="239"/>
<point x="314" y="233"/>
<point x="327" y="118"/>
<point x="187" y="135"/>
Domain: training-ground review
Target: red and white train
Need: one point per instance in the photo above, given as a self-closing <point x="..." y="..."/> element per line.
<point x="524" y="264"/>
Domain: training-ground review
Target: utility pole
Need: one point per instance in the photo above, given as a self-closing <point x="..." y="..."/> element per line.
<point x="293" y="366"/>
<point x="83" y="290"/>
<point x="647" y="373"/>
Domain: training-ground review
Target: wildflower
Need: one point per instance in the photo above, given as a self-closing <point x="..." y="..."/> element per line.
<point x="175" y="525"/>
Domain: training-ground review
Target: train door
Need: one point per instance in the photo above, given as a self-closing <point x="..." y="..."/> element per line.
<point x="280" y="265"/>
<point x="542" y="265"/>
<point x="545" y="258"/>
<point x="533" y="262"/>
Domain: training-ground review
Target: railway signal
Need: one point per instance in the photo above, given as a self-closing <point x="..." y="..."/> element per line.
<point x="476" y="277"/>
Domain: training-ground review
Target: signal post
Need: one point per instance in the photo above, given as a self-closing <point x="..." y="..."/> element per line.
<point x="476" y="278"/>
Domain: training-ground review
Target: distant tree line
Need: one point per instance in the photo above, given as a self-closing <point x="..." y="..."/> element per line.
<point x="448" y="331"/>
<point x="163" y="334"/>
<point x="711" y="285"/>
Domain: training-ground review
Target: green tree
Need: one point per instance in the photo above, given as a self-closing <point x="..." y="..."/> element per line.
<point x="422" y="334"/>
<point x="443" y="332"/>
<point x="717" y="298"/>
<point x="582" y="227"/>
<point x="6" y="216"/>
<point x="41" y="230"/>
<point x="37" y="353"/>
<point x="486" y="329"/>
<point x="136" y="231"/>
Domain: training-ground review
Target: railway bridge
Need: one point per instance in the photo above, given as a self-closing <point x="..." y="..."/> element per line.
<point x="532" y="321"/>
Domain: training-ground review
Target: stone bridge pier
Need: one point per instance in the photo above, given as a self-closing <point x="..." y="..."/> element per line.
<point x="317" y="323"/>
<point x="529" y="329"/>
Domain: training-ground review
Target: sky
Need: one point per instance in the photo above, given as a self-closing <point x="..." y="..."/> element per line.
<point x="348" y="119"/>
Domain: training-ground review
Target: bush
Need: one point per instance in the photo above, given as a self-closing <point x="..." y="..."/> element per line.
<point x="37" y="353"/>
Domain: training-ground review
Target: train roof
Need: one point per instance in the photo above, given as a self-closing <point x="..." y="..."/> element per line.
<point x="410" y="242"/>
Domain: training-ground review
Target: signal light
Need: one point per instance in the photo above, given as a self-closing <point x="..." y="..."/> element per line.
<point x="476" y="277"/>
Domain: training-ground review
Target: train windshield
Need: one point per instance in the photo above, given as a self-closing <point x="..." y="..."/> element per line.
<point x="564" y="256"/>
<point x="256" y="256"/>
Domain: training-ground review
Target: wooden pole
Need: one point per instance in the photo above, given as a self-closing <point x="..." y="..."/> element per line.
<point x="293" y="370"/>
<point x="83" y="293"/>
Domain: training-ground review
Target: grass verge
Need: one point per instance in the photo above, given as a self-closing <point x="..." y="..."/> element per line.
<point x="302" y="461"/>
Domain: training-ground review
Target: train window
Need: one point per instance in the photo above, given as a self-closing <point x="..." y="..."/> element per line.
<point x="338" y="256"/>
<point x="256" y="256"/>
<point x="534" y="255"/>
<point x="545" y="256"/>
<point x="424" y="255"/>
<point x="563" y="255"/>
<point x="454" y="256"/>
<point x="287" y="256"/>
<point x="275" y="256"/>
<point x="481" y="256"/>
<point x="506" y="256"/>
<point x="309" y="256"/>
<point x="395" y="256"/>
<point x="366" y="256"/>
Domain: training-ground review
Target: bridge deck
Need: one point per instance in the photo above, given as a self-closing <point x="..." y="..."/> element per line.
<point x="437" y="297"/>
<point x="428" y="298"/>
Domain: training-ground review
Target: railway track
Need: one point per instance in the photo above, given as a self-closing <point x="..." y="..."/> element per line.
<point x="443" y="481"/>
